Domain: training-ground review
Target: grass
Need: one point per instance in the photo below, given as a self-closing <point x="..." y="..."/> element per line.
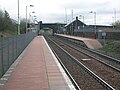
<point x="112" y="48"/>
<point x="8" y="33"/>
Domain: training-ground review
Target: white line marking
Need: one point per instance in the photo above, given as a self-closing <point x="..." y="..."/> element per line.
<point x="2" y="84"/>
<point x="4" y="79"/>
<point x="7" y="75"/>
<point x="86" y="59"/>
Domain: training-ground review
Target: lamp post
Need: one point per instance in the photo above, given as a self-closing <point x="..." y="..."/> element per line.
<point x="30" y="17"/>
<point x="83" y="24"/>
<point x="66" y="16"/>
<point x="26" y="15"/>
<point x="34" y="18"/>
<point x="72" y="32"/>
<point x="18" y="20"/>
<point x="94" y="22"/>
<point x="35" y="26"/>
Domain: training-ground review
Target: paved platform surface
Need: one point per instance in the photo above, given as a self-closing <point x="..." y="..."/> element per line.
<point x="90" y="43"/>
<point x="36" y="69"/>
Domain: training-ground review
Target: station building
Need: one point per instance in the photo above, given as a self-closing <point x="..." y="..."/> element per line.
<point x="78" y="28"/>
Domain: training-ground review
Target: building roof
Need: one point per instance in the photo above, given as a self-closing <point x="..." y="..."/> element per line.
<point x="79" y="22"/>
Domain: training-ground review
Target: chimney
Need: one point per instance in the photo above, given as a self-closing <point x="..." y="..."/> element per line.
<point x="76" y="18"/>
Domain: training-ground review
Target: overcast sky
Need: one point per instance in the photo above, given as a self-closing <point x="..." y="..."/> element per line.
<point x="54" y="10"/>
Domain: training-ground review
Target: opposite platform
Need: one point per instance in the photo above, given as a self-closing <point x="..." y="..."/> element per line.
<point x="36" y="69"/>
<point x="90" y="43"/>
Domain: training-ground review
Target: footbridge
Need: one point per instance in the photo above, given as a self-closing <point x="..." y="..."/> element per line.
<point x="57" y="27"/>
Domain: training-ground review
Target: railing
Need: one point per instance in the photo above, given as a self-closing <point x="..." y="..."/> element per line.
<point x="11" y="48"/>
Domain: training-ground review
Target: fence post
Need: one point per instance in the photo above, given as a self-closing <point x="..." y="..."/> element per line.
<point x="8" y="53"/>
<point x="13" y="50"/>
<point x="16" y="47"/>
<point x="2" y="55"/>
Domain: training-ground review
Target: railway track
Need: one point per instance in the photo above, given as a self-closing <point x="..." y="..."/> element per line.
<point x="109" y="61"/>
<point x="84" y="77"/>
<point x="105" y="71"/>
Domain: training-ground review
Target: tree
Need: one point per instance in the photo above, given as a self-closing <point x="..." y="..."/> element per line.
<point x="23" y="26"/>
<point x="117" y="24"/>
<point x="1" y="21"/>
<point x="6" y="23"/>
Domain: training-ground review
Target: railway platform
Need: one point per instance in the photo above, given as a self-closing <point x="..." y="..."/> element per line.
<point x="36" y="69"/>
<point x="90" y="43"/>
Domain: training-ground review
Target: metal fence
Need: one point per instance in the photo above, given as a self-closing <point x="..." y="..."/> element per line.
<point x="11" y="48"/>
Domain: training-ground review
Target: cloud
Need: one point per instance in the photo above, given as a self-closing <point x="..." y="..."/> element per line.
<point x="54" y="10"/>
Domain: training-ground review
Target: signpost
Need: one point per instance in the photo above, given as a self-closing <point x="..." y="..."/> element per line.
<point x="104" y="35"/>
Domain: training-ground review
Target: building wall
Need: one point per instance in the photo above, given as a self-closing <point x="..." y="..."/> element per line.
<point x="109" y="35"/>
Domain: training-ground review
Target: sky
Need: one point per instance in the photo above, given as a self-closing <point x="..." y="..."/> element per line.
<point x="60" y="11"/>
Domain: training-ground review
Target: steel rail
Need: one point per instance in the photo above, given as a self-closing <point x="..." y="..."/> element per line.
<point x="101" y="81"/>
<point x="67" y="72"/>
<point x="96" y="57"/>
<point x="98" y="53"/>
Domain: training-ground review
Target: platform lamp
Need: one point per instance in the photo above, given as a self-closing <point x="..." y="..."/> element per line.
<point x="30" y="16"/>
<point x="94" y="23"/>
<point x="34" y="18"/>
<point x="26" y="15"/>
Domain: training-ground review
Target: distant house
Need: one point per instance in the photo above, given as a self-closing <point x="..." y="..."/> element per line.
<point x="78" y="26"/>
<point x="74" y="26"/>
